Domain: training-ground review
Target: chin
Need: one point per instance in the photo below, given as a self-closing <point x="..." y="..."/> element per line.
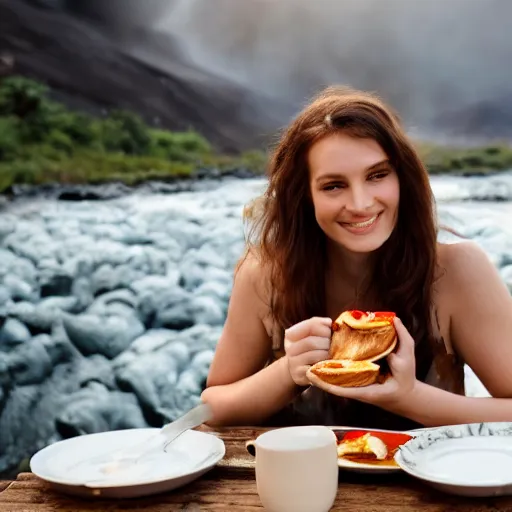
<point x="364" y="244"/>
<point x="363" y="247"/>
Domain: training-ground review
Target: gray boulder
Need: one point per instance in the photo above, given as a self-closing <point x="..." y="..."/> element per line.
<point x="106" y="335"/>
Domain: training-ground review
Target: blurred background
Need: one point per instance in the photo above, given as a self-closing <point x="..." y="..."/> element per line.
<point x="133" y="132"/>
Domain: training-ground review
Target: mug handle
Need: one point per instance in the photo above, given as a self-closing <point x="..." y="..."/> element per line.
<point x="250" y="446"/>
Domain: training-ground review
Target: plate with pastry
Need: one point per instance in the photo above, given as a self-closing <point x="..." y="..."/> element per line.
<point x="370" y="450"/>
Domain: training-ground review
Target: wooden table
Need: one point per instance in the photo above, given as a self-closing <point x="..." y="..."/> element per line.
<point x="231" y="487"/>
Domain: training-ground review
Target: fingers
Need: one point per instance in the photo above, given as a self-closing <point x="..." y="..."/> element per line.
<point x="405" y="341"/>
<point x="312" y="357"/>
<point x="316" y="326"/>
<point x="300" y="365"/>
<point x="311" y="343"/>
<point x="356" y="393"/>
<point x="305" y="344"/>
<point x="404" y="358"/>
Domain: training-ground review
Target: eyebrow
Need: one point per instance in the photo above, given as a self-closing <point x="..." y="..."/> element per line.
<point x="372" y="167"/>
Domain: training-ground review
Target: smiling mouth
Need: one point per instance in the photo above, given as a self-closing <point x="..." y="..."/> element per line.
<point x="363" y="224"/>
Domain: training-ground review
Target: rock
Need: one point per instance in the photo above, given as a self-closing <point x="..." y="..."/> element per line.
<point x="189" y="384"/>
<point x="21" y="437"/>
<point x="200" y="337"/>
<point x="176" y="402"/>
<point x="5" y="295"/>
<point x="108" y="336"/>
<point x="82" y="290"/>
<point x="171" y="248"/>
<point x="40" y="245"/>
<point x="192" y="276"/>
<point x="59" y="347"/>
<point x="177" y="317"/>
<point x="11" y="264"/>
<point x="205" y="256"/>
<point x="107" y="252"/>
<point x="180" y="353"/>
<point x="19" y="289"/>
<point x="30" y="314"/>
<point x="91" y="192"/>
<point x="40" y="317"/>
<point x="13" y="333"/>
<point x="157" y="283"/>
<point x="152" y="340"/>
<point x="153" y="375"/>
<point x="96" y="409"/>
<point x="95" y="368"/>
<point x="219" y="292"/>
<point x="29" y="363"/>
<point x="7" y="226"/>
<point x="59" y="283"/>
<point x="106" y="278"/>
<point x="57" y="302"/>
<point x="207" y="310"/>
<point x="165" y="307"/>
<point x="124" y="297"/>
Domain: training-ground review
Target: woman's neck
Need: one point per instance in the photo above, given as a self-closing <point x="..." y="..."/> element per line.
<point x="347" y="280"/>
<point x="351" y="268"/>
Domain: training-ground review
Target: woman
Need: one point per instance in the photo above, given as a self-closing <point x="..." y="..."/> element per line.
<point x="348" y="222"/>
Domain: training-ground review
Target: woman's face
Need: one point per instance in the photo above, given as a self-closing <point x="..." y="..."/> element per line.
<point x="355" y="191"/>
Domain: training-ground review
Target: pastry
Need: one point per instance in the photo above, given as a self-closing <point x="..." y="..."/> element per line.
<point x="359" y="339"/>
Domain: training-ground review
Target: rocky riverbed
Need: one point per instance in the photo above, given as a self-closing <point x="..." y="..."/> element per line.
<point x="110" y="310"/>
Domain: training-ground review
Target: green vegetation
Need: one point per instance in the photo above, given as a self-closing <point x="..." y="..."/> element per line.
<point x="41" y="141"/>
<point x="466" y="160"/>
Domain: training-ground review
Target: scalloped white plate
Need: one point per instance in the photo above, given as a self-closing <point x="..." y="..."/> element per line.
<point x="468" y="460"/>
<point x="187" y="458"/>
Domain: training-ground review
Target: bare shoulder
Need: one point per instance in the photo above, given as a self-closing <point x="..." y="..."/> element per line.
<point x="252" y="277"/>
<point x="464" y="263"/>
<point x="477" y="307"/>
<point x="470" y="282"/>
<point x="244" y="344"/>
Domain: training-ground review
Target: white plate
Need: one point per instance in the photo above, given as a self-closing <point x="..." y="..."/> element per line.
<point x="188" y="457"/>
<point x="361" y="467"/>
<point x="467" y="460"/>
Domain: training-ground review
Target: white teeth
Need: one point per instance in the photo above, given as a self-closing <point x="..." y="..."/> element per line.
<point x="364" y="224"/>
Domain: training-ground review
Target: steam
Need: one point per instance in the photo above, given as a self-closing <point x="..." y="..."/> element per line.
<point x="444" y="65"/>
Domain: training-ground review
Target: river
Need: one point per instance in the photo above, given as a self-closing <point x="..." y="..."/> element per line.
<point x="110" y="310"/>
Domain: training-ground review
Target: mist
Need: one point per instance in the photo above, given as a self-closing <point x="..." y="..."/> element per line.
<point x="444" y="65"/>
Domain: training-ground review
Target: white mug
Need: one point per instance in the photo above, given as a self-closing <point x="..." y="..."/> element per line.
<point x="296" y="468"/>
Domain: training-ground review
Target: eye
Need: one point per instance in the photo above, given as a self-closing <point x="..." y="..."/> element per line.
<point x="333" y="186"/>
<point x="379" y="175"/>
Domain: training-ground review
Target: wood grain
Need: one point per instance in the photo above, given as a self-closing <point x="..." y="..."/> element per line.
<point x="231" y="487"/>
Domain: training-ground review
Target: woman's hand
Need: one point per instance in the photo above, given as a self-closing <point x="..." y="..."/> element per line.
<point x="396" y="389"/>
<point x="305" y="344"/>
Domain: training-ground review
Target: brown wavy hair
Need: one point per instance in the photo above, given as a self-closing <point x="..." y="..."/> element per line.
<point x="289" y="243"/>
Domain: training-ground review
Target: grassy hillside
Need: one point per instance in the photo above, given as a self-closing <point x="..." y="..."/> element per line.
<point x="42" y="142"/>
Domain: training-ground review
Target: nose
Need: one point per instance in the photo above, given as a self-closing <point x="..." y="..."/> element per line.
<point x="359" y="198"/>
